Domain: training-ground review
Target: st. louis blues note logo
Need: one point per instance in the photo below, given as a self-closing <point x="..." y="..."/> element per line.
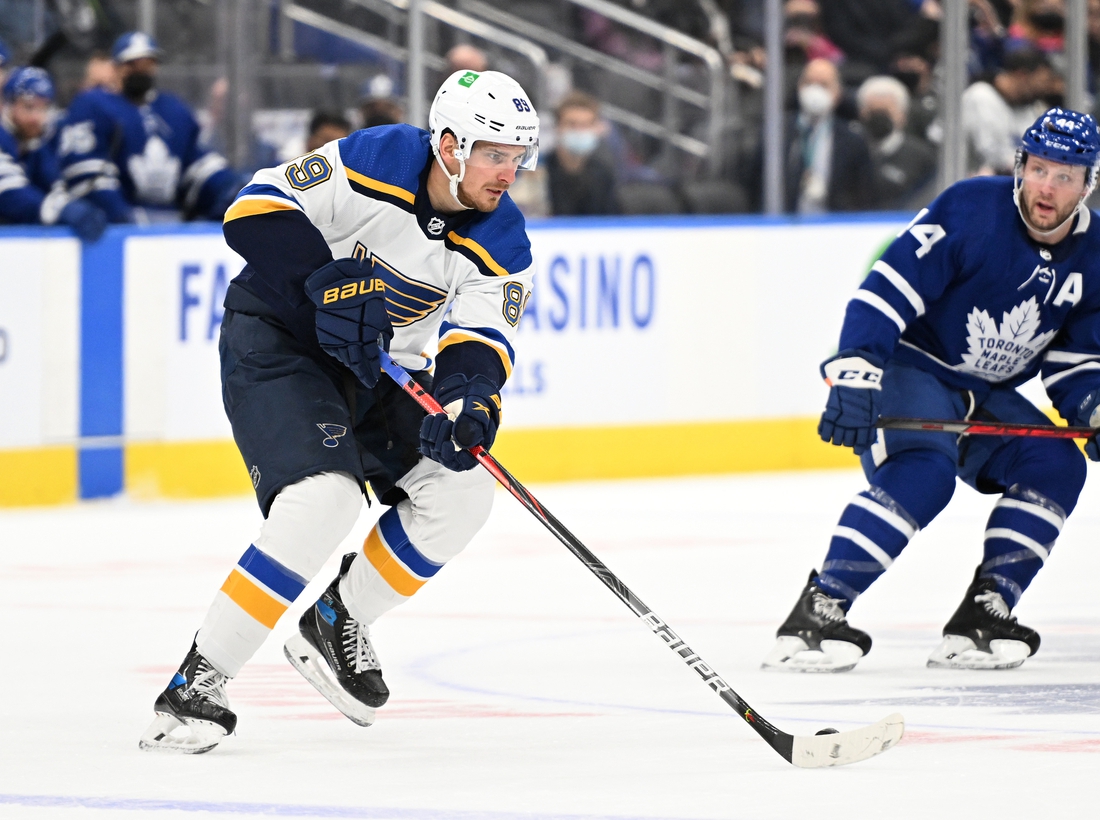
<point x="332" y="432"/>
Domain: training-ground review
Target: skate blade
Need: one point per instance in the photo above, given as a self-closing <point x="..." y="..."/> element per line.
<point x="304" y="658"/>
<point x="792" y="654"/>
<point x="960" y="652"/>
<point x="168" y="733"/>
<point x="842" y="748"/>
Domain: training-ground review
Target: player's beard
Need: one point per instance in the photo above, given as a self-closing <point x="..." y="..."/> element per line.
<point x="1047" y="223"/>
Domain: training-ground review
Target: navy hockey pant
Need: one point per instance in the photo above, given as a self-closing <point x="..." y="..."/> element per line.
<point x="912" y="478"/>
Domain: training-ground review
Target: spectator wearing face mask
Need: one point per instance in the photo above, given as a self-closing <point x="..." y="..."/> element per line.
<point x="828" y="164"/>
<point x="136" y="153"/>
<point x="580" y="181"/>
<point x="904" y="164"/>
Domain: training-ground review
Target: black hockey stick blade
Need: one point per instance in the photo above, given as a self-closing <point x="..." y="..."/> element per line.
<point x="984" y="428"/>
<point x="828" y="748"/>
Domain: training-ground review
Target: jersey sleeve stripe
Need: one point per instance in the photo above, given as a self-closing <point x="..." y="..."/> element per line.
<point x="487" y="261"/>
<point x="264" y="189"/>
<point x="378" y="186"/>
<point x="903" y="286"/>
<point x="460" y="335"/>
<point x="1070" y="371"/>
<point x="1065" y="357"/>
<point x="254" y="205"/>
<point x="13" y="182"/>
<point x="881" y="305"/>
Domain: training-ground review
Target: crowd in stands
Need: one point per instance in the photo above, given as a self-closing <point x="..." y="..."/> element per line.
<point x="862" y="124"/>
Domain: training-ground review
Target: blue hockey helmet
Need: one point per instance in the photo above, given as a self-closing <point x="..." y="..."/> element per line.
<point x="28" y="82"/>
<point x="133" y="45"/>
<point x="1064" y="136"/>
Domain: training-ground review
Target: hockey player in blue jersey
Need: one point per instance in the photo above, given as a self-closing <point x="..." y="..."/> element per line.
<point x="392" y="236"/>
<point x="137" y="154"/>
<point x="996" y="282"/>
<point x="29" y="188"/>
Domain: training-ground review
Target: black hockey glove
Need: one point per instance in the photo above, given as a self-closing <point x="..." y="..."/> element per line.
<point x="1088" y="414"/>
<point x="855" y="379"/>
<point x="351" y="315"/>
<point x="472" y="418"/>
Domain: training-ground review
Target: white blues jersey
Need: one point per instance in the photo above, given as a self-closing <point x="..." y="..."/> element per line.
<point x="123" y="155"/>
<point x="967" y="295"/>
<point x="456" y="285"/>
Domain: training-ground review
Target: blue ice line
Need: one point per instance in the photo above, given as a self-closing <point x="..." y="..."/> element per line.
<point x="420" y="668"/>
<point x="288" y="810"/>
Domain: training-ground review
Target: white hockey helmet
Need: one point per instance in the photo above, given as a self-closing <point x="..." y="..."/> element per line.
<point x="485" y="105"/>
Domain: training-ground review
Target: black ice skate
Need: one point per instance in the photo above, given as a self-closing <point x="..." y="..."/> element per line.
<point x="816" y="636"/>
<point x="333" y="652"/>
<point x="982" y="634"/>
<point x="193" y="713"/>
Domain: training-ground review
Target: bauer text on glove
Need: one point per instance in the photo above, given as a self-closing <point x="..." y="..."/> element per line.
<point x="351" y="315"/>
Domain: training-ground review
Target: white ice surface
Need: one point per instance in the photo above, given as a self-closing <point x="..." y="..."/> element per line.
<point x="524" y="689"/>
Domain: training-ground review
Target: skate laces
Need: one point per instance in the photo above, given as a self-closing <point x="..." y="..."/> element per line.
<point x="210" y="682"/>
<point x="827" y="608"/>
<point x="357" y="646"/>
<point x="994" y="604"/>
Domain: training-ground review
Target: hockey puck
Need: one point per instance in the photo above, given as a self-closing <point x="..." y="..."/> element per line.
<point x="828" y="732"/>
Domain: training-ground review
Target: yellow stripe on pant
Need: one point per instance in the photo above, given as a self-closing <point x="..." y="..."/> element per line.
<point x="392" y="571"/>
<point x="258" y="603"/>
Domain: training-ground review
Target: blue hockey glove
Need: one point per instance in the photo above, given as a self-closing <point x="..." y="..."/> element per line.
<point x="351" y="315"/>
<point x="855" y="379"/>
<point x="1088" y="414"/>
<point x="472" y="418"/>
<point x="87" y="221"/>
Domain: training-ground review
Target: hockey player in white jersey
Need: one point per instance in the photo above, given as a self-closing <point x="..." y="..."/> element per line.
<point x="997" y="281"/>
<point x="393" y="236"/>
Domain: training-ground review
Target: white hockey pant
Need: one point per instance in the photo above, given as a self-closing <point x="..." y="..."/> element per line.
<point x="307" y="522"/>
<point x="412" y="541"/>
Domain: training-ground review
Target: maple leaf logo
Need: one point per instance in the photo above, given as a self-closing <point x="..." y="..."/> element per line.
<point x="1000" y="352"/>
<point x="156" y="173"/>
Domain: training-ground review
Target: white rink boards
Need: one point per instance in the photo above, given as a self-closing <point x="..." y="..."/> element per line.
<point x="524" y="689"/>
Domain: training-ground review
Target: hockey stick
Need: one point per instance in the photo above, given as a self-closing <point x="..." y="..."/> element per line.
<point x="985" y="428"/>
<point x="826" y="748"/>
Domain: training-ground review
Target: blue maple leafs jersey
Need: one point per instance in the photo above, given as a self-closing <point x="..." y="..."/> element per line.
<point x="122" y="155"/>
<point x="964" y="293"/>
<point x="28" y="173"/>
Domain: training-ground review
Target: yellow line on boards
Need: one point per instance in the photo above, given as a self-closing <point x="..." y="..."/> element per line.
<point x="211" y="469"/>
<point x="37" y="475"/>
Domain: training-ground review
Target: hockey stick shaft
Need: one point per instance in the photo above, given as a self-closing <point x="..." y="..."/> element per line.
<point x="984" y="428"/>
<point x="782" y="742"/>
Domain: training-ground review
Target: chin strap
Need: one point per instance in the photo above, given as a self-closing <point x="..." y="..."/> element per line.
<point x="454" y="179"/>
<point x="1038" y="234"/>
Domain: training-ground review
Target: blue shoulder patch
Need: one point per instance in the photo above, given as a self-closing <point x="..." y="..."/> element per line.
<point x="496" y="242"/>
<point x="393" y="155"/>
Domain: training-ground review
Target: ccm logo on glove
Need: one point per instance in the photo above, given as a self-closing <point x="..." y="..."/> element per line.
<point x="853" y="372"/>
<point x="351" y="289"/>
